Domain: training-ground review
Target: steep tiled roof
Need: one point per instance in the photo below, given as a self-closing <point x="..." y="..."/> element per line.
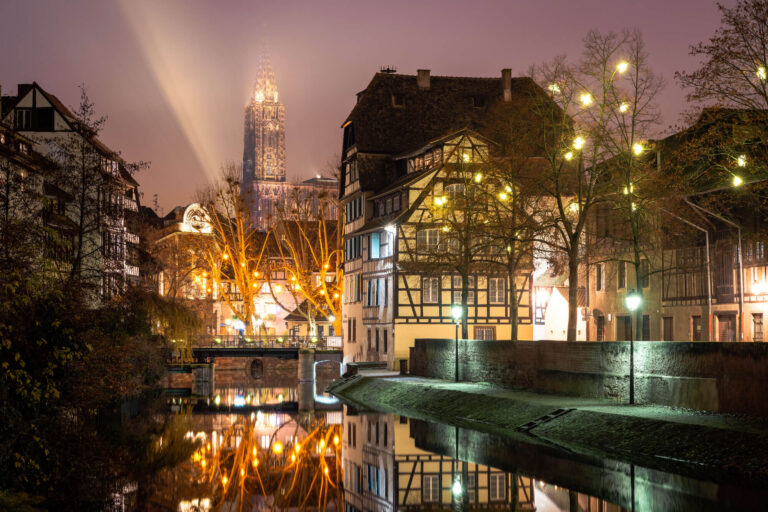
<point x="448" y="105"/>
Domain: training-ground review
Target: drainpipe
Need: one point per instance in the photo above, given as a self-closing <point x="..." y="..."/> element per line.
<point x="709" y="269"/>
<point x="738" y="255"/>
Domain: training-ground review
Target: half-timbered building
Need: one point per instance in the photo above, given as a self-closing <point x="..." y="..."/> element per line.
<point x="92" y="190"/>
<point x="403" y="142"/>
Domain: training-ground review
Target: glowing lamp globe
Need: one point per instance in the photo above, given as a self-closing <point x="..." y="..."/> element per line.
<point x="633" y="301"/>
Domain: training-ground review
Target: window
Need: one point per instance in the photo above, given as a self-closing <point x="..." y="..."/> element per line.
<point x="757" y="327"/>
<point x="667" y="328"/>
<point x="430" y="488"/>
<point x="372" y="298"/>
<point x="646" y="327"/>
<point x="599" y="277"/>
<point x="497" y="487"/>
<point x="398" y="100"/>
<point x="383" y="289"/>
<point x="457" y="290"/>
<point x="23" y="118"/>
<point x="377" y="349"/>
<point x="622" y="274"/>
<point x="454" y="190"/>
<point x="427" y="240"/>
<point x="387" y="243"/>
<point x="430" y="290"/>
<point x="374" y="246"/>
<point x="485" y="333"/>
<point x="472" y="487"/>
<point x="645" y="278"/>
<point x="496" y="290"/>
<point x="384" y="335"/>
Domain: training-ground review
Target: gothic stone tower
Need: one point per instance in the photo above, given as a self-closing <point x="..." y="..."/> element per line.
<point x="264" y="145"/>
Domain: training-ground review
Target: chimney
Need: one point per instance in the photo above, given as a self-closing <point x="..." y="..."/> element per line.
<point x="506" y="83"/>
<point x="422" y="78"/>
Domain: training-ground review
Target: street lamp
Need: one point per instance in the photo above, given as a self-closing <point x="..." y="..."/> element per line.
<point x="633" y="301"/>
<point x="457" y="312"/>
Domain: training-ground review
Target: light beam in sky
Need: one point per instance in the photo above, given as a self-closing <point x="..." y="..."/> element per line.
<point x="177" y="69"/>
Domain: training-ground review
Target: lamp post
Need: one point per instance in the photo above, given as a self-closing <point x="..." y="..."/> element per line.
<point x="632" y="300"/>
<point x="457" y="313"/>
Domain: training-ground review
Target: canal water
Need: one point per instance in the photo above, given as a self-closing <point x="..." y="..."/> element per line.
<point x="260" y="445"/>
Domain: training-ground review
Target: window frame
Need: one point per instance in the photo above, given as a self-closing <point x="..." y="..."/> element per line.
<point x="436" y="290"/>
<point x="502" y="291"/>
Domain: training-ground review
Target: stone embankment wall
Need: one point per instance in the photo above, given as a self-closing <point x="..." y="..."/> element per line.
<point x="721" y="377"/>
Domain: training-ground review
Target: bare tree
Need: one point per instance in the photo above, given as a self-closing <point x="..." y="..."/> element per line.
<point x="630" y="218"/>
<point x="235" y="252"/>
<point x="734" y="62"/>
<point x="95" y="177"/>
<point x="308" y="244"/>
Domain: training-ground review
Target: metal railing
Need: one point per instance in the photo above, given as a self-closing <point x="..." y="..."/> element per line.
<point x="272" y="342"/>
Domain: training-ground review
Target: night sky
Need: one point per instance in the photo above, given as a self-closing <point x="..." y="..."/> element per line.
<point x="173" y="76"/>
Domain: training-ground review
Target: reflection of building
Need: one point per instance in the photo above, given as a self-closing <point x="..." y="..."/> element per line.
<point x="385" y="471"/>
<point x="264" y="177"/>
<point x="403" y="144"/>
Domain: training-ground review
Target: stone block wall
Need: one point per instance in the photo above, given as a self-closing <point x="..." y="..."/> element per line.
<point x="721" y="377"/>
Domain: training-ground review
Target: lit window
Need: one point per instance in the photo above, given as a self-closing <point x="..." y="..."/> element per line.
<point x="430" y="290"/>
<point x="457" y="290"/>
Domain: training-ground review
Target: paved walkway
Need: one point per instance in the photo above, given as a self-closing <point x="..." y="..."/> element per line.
<point x="663" y="437"/>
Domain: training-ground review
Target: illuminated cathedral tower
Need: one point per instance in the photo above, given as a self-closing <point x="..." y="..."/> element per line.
<point x="264" y="144"/>
<point x="264" y="157"/>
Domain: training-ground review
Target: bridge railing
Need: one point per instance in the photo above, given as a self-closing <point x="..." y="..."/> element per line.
<point x="285" y="341"/>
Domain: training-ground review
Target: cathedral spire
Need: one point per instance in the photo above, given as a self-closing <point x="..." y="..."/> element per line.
<point x="265" y="88"/>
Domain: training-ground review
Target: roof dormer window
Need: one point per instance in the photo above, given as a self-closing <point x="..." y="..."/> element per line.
<point x="398" y="100"/>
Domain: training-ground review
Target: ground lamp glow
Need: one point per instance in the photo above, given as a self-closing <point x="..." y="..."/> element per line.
<point x="633" y="301"/>
<point x="457" y="312"/>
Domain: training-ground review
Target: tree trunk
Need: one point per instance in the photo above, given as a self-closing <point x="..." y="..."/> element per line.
<point x="513" y="306"/>
<point x="573" y="296"/>
<point x="639" y="311"/>
<point x="464" y="309"/>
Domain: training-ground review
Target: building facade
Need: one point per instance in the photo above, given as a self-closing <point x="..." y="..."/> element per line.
<point x="707" y="281"/>
<point x="402" y="142"/>
<point x="89" y="188"/>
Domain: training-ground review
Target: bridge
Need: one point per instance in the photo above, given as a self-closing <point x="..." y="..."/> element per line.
<point x="308" y="350"/>
<point x="206" y="349"/>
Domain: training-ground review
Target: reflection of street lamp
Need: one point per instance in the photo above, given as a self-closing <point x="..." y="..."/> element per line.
<point x="457" y="313"/>
<point x="457" y="487"/>
<point x="633" y="301"/>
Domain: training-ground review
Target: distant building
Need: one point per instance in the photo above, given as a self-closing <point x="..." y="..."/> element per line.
<point x="98" y="201"/>
<point x="264" y="176"/>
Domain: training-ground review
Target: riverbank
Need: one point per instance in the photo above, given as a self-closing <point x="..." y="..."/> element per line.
<point x="693" y="443"/>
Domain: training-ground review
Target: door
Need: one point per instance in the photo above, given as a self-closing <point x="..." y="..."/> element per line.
<point x="696" y="331"/>
<point x="667" y="328"/>
<point x="600" y="328"/>
<point x="726" y="327"/>
<point x="623" y="330"/>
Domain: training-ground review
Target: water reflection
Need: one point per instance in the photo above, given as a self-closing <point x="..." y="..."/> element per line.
<point x="258" y="450"/>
